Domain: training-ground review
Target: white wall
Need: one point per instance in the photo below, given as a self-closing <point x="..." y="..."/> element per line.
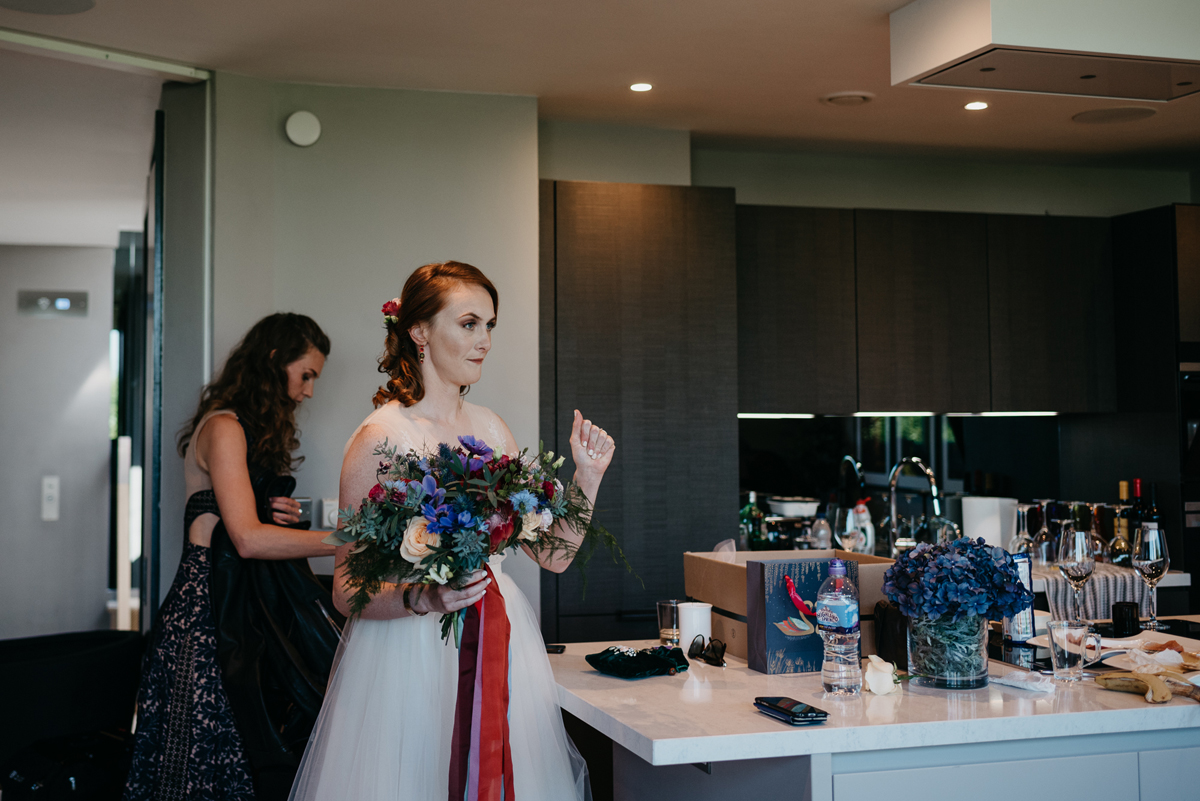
<point x="397" y="179"/>
<point x="842" y="181"/>
<point x="56" y="389"/>
<point x="584" y="151"/>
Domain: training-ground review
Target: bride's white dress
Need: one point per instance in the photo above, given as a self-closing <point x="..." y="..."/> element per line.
<point x="385" y="730"/>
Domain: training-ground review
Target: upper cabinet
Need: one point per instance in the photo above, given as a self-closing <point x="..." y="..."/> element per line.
<point x="1051" y="313"/>
<point x="796" y="332"/>
<point x="922" y="311"/>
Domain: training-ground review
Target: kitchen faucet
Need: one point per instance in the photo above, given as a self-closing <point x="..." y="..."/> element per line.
<point x="893" y="521"/>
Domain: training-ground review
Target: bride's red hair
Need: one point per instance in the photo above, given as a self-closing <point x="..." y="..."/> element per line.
<point x="425" y="293"/>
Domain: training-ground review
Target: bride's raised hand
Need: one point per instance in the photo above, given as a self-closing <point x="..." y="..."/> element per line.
<point x="592" y="450"/>
<point x="443" y="598"/>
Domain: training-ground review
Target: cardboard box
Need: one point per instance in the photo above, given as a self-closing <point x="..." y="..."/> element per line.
<point x="720" y="579"/>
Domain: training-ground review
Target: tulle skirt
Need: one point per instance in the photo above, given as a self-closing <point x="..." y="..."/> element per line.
<point x="385" y="730"/>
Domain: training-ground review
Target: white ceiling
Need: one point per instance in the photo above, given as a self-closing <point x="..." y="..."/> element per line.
<point x="75" y="148"/>
<point x="732" y="73"/>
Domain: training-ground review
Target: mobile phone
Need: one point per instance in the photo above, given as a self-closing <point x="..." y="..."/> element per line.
<point x="789" y="710"/>
<point x="555" y="649"/>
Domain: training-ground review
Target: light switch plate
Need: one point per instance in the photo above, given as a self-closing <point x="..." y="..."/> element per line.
<point x="49" y="498"/>
<point x="329" y="513"/>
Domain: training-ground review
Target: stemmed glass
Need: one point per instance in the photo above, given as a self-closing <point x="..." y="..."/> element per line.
<point x="1022" y="543"/>
<point x="846" y="529"/>
<point x="1076" y="561"/>
<point x="1151" y="560"/>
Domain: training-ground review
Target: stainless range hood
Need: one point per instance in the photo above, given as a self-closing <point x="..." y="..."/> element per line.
<point x="1145" y="50"/>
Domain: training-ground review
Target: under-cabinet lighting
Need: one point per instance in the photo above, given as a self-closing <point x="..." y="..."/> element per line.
<point x="1002" y="414"/>
<point x="769" y="416"/>
<point x="893" y="414"/>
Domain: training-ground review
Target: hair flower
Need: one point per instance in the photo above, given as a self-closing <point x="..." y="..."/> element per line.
<point x="391" y="310"/>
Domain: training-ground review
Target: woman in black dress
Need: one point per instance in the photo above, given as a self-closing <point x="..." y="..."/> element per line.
<point x="191" y="742"/>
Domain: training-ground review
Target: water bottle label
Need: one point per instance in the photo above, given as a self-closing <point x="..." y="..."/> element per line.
<point x="838" y="616"/>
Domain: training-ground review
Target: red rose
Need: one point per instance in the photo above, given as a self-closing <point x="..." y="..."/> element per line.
<point x="391" y="309"/>
<point x="377" y="493"/>
<point x="548" y="490"/>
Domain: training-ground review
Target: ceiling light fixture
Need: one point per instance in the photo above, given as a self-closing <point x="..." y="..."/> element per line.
<point x="770" y="416"/>
<point x="847" y="98"/>
<point x="641" y="87"/>
<point x="978" y="105"/>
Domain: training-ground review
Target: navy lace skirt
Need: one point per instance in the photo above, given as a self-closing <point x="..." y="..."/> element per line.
<point x="187" y="745"/>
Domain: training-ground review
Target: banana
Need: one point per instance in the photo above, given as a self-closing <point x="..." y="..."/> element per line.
<point x="1151" y="687"/>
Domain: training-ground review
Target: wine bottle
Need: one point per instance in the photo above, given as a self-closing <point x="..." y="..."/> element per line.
<point x="1120" y="547"/>
<point x="752" y="533"/>
<point x="1151" y="513"/>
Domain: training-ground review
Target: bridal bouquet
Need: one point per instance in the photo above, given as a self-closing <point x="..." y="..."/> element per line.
<point x="436" y="519"/>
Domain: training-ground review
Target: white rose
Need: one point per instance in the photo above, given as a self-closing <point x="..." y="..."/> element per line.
<point x="530" y="523"/>
<point x="418" y="540"/>
<point x="880" y="676"/>
<point x="547" y="519"/>
<point x="441" y="574"/>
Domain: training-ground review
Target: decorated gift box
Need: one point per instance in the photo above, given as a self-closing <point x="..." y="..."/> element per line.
<point x="781" y="622"/>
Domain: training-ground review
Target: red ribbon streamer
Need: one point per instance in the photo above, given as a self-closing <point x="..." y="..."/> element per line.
<point x="495" y="753"/>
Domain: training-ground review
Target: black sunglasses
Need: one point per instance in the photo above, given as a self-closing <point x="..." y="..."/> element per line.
<point x="714" y="654"/>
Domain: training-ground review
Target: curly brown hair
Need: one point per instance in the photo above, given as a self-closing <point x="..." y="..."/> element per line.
<point x="424" y="295"/>
<point x="254" y="384"/>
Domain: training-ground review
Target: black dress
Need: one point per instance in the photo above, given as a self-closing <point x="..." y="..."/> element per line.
<point x="237" y="667"/>
<point x="187" y="744"/>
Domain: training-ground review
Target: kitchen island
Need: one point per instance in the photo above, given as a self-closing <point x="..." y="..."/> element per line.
<point x="697" y="735"/>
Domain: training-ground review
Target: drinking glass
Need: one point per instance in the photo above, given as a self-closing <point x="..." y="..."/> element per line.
<point x="1069" y="641"/>
<point x="668" y="622"/>
<point x="1151" y="561"/>
<point x="846" y="530"/>
<point x="1076" y="561"/>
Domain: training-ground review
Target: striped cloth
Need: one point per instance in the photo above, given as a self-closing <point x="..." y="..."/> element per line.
<point x="1107" y="585"/>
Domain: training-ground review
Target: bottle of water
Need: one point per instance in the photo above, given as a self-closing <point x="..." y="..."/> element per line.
<point x="837" y="621"/>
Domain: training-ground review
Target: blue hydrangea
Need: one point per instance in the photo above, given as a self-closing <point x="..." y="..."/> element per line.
<point x="955" y="580"/>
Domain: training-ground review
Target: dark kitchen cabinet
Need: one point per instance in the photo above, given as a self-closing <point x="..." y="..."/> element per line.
<point x="796" y="310"/>
<point x="1051" y="312"/>
<point x="640" y="285"/>
<point x="922" y="311"/>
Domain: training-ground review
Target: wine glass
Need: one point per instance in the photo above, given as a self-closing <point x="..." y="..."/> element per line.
<point x="1151" y="560"/>
<point x="1022" y="543"/>
<point x="1076" y="561"/>
<point x="846" y="529"/>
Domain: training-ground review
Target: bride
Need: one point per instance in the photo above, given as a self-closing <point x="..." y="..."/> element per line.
<point x="386" y="727"/>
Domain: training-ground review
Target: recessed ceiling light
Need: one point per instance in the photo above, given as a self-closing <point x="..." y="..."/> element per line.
<point x="978" y="105"/>
<point x="987" y="69"/>
<point x="641" y="87"/>
<point x="49" y="6"/>
<point x="1086" y="77"/>
<point x="847" y="98"/>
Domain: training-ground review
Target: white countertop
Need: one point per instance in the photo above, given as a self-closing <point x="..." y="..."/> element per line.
<point x="706" y="714"/>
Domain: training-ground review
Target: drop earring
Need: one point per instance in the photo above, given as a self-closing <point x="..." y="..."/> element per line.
<point x="421" y="354"/>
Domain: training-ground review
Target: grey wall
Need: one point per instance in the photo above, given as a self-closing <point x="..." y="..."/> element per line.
<point x="397" y="179"/>
<point x="586" y="151"/>
<point x="825" y="180"/>
<point x="186" y="328"/>
<point x="55" y="404"/>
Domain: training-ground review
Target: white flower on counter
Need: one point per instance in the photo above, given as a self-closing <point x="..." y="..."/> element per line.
<point x="880" y="677"/>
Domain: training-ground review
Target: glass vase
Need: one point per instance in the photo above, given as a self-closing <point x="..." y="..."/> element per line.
<point x="948" y="655"/>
